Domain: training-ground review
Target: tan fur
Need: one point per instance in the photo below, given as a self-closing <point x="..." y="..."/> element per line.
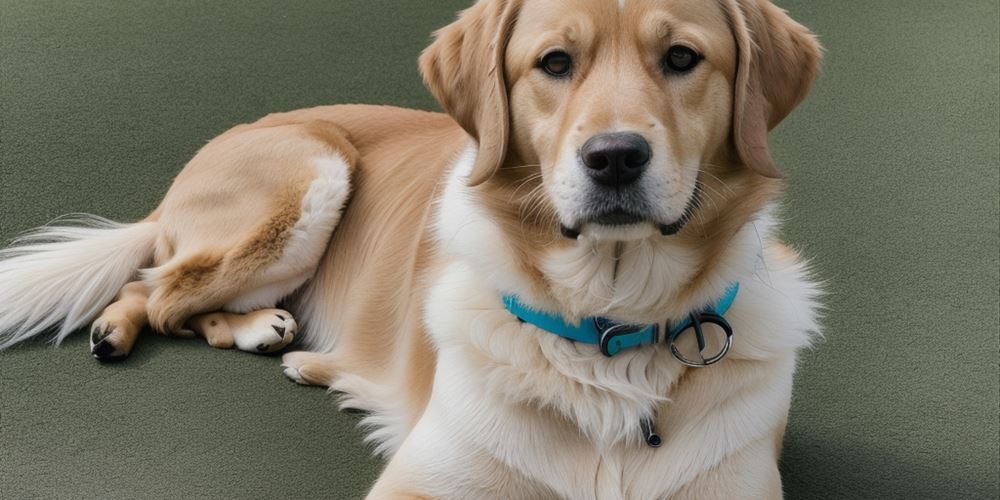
<point x="224" y="223"/>
<point x="381" y="253"/>
<point x="121" y="322"/>
<point x="466" y="75"/>
<point x="215" y="328"/>
<point x="227" y="222"/>
<point x="221" y="261"/>
<point x="778" y="62"/>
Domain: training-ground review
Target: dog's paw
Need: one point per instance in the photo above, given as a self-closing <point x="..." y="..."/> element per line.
<point x="308" y="368"/>
<point x="266" y="331"/>
<point x="109" y="342"/>
<point x="293" y="373"/>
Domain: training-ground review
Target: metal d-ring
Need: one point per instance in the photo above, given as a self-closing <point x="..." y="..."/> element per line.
<point x="696" y="320"/>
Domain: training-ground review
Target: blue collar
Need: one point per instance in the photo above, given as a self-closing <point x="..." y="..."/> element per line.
<point x="612" y="337"/>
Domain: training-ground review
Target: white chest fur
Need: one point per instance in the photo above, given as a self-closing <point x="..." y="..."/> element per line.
<point x="554" y="413"/>
<point x="518" y="409"/>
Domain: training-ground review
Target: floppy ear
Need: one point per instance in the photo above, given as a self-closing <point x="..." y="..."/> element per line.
<point x="464" y="70"/>
<point x="778" y="60"/>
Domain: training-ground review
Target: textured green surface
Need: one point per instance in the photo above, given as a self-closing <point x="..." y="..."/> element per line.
<point x="894" y="167"/>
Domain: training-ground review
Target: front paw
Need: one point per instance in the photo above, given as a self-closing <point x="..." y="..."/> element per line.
<point x="309" y="368"/>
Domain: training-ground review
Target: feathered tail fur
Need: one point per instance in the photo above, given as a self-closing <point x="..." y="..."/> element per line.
<point x="64" y="275"/>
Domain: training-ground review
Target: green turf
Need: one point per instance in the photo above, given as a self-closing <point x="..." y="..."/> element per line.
<point x="893" y="164"/>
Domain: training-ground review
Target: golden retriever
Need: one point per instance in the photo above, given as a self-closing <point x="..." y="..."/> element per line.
<point x="598" y="159"/>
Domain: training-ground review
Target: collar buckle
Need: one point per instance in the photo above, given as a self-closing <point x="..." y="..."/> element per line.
<point x="616" y="336"/>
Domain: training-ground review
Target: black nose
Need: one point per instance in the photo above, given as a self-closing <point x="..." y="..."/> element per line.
<point x="616" y="159"/>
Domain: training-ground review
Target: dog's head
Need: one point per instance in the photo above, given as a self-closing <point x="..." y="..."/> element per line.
<point x="623" y="120"/>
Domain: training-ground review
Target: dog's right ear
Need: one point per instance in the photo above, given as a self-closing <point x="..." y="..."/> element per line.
<point x="464" y="70"/>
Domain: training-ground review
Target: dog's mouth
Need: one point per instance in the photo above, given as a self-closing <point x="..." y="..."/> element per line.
<point x="619" y="219"/>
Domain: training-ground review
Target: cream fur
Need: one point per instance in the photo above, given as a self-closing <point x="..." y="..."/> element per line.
<point x="319" y="214"/>
<point x="503" y="387"/>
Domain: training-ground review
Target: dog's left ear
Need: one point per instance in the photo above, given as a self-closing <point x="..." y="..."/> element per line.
<point x="464" y="69"/>
<point x="778" y="62"/>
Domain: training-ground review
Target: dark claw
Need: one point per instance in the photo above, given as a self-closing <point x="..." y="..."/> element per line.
<point x="97" y="335"/>
<point x="280" y="330"/>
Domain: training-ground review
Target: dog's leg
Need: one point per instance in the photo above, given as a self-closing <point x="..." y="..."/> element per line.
<point x="114" y="333"/>
<point x="263" y="331"/>
<point x="244" y="226"/>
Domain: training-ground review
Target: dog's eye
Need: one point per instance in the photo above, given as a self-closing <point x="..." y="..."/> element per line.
<point x="680" y="59"/>
<point x="558" y="64"/>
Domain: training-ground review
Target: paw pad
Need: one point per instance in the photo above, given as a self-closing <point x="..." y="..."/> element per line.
<point x="105" y="352"/>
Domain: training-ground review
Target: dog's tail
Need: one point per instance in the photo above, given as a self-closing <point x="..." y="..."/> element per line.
<point x="64" y="275"/>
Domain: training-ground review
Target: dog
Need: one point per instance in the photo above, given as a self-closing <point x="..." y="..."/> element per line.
<point x="599" y="162"/>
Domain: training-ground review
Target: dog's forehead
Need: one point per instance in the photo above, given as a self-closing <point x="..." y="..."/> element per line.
<point x="587" y="26"/>
<point x="623" y="17"/>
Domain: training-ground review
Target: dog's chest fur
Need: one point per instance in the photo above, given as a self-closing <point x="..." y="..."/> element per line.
<point x="543" y="412"/>
<point x="536" y="412"/>
<point x="486" y="406"/>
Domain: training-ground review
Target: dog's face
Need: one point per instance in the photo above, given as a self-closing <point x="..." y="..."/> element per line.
<point x="620" y="103"/>
<point x="641" y="122"/>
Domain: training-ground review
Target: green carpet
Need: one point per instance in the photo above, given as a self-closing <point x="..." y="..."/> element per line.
<point x="893" y="164"/>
